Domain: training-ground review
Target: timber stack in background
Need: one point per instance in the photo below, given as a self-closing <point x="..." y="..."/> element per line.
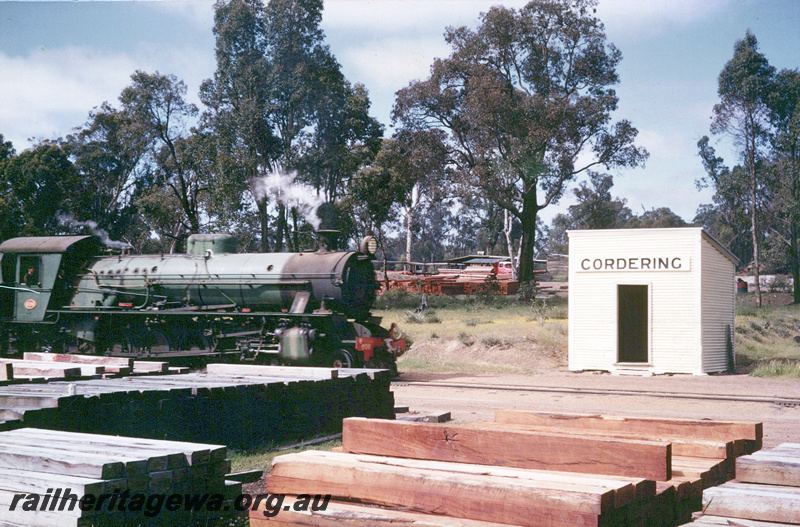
<point x="230" y="404"/>
<point x="43" y="367"/>
<point x="525" y="468"/>
<point x="475" y="279"/>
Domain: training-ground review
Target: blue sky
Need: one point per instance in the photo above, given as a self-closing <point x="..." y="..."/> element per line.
<point x="58" y="60"/>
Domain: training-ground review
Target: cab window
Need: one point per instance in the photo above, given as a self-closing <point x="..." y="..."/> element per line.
<point x="29" y="271"/>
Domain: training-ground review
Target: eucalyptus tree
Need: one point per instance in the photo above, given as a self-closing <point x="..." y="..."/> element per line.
<point x="6" y="148"/>
<point x="784" y="107"/>
<point x="728" y="217"/>
<point x="108" y="153"/>
<point x="596" y="208"/>
<point x="526" y="102"/>
<point x="238" y="109"/>
<point x="157" y="104"/>
<point x="743" y="115"/>
<point x="280" y="103"/>
<point x="7" y="199"/>
<point x="374" y="195"/>
<point x="344" y="140"/>
<point x="420" y="158"/>
<point x="34" y="186"/>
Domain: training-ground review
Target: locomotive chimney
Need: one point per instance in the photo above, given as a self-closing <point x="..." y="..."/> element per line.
<point x="327" y="240"/>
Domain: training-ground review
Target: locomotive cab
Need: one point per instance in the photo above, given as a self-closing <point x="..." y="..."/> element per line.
<point x="6" y="288"/>
<point x="33" y="272"/>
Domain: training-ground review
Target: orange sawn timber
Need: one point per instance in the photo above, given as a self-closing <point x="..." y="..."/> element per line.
<point x="681" y="446"/>
<point x="707" y="429"/>
<point x="458" y="494"/>
<point x="337" y="513"/>
<point x="619" y="490"/>
<point x="511" y="448"/>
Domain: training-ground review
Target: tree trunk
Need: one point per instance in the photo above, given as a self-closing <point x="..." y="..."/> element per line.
<point x="281" y="228"/>
<point x="508" y="221"/>
<point x="409" y="236"/>
<point x="410" y="221"/>
<point x="751" y="162"/>
<point x="756" y="263"/>
<point x="264" y="220"/>
<point x="794" y="243"/>
<point x="795" y="266"/>
<point x="292" y="241"/>
<point x="382" y="246"/>
<point x="528" y="218"/>
<point x="794" y="227"/>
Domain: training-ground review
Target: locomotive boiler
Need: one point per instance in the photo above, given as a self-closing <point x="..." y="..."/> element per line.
<point x="61" y="294"/>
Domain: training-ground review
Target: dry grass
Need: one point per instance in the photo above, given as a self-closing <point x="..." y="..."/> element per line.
<point x="497" y="335"/>
<point x="503" y="335"/>
<point x="768" y="338"/>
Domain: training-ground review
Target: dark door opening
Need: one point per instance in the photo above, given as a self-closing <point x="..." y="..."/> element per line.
<point x="632" y="323"/>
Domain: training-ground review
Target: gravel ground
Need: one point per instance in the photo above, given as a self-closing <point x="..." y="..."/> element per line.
<point x="781" y="422"/>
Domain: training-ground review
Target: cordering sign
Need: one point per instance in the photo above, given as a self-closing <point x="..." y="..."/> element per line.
<point x="636" y="263"/>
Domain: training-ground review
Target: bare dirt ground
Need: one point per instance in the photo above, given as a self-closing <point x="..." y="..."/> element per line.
<point x="781" y="422"/>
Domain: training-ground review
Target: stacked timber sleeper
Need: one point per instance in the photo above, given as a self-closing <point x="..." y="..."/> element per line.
<point x="37" y="367"/>
<point x="526" y="468"/>
<point x="766" y="492"/>
<point x="233" y="405"/>
<point x="44" y="474"/>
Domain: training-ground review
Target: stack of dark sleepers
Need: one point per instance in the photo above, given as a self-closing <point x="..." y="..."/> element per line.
<point x="766" y="492"/>
<point x="63" y="479"/>
<point x="230" y="404"/>
<point x="526" y="468"/>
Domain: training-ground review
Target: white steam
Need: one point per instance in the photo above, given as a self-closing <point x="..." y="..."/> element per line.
<point x="66" y="219"/>
<point x="283" y="189"/>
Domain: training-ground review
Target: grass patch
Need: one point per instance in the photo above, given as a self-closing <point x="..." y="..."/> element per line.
<point x="510" y="334"/>
<point x="767" y="338"/>
<point x="777" y="368"/>
<point x="471" y="322"/>
<point x="472" y="334"/>
<point x="424" y="317"/>
<point x="260" y="458"/>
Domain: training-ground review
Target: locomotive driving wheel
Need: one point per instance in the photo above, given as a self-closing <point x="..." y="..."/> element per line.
<point x="342" y="358"/>
<point x="119" y="345"/>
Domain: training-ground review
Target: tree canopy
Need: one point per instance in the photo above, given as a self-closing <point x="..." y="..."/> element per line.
<point x="523" y="99"/>
<point x="519" y="114"/>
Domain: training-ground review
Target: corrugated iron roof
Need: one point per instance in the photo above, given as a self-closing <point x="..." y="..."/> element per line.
<point x="41" y="244"/>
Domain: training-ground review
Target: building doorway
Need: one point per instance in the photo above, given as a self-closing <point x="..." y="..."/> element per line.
<point x="632" y="323"/>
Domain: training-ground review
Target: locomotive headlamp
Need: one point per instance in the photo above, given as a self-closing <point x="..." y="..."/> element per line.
<point x="369" y="245"/>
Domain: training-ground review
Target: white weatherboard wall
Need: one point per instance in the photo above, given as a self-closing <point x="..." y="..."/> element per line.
<point x="690" y="289"/>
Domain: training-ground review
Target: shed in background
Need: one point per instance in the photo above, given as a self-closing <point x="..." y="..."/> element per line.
<point x="650" y="301"/>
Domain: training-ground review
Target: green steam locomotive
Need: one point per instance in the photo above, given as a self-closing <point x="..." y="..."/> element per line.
<point x="64" y="294"/>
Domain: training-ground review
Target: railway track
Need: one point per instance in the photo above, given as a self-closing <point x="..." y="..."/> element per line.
<point x="766" y="399"/>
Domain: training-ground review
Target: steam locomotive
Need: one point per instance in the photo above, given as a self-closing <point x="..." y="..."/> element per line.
<point x="62" y="294"/>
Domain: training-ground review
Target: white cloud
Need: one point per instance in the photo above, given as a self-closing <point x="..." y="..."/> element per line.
<point x="391" y="64"/>
<point x="199" y="13"/>
<point x="405" y="16"/>
<point x="665" y="145"/>
<point x="48" y="93"/>
<point x="653" y="17"/>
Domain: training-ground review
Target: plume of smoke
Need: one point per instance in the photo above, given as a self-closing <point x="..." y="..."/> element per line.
<point x="66" y="219"/>
<point x="284" y="189"/>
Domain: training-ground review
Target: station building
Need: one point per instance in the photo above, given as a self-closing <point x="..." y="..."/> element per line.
<point x="650" y="301"/>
